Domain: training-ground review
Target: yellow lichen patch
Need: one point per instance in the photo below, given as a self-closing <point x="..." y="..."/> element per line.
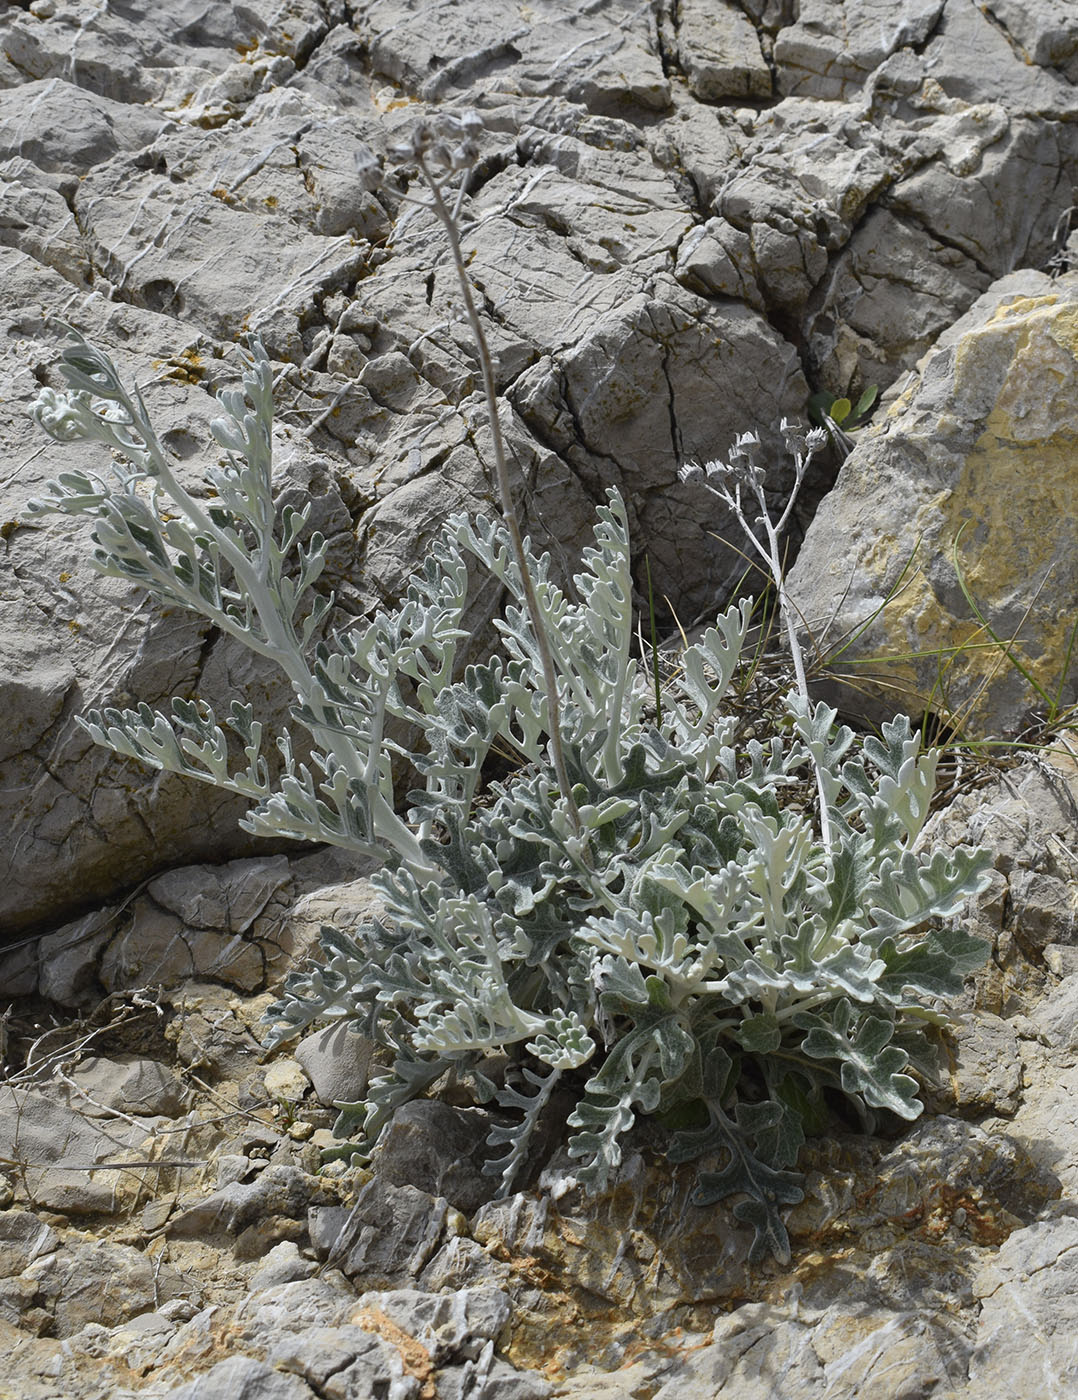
<point x="1032" y="358"/>
<point x="1021" y="306"/>
<point x="1064" y="329"/>
<point x="389" y="99"/>
<point x="1037" y="400"/>
<point x="1007" y="558"/>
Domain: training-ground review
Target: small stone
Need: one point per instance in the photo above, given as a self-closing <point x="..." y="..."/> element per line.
<point x="178" y="1310"/>
<point x="388" y="1235"/>
<point x="233" y="1166"/>
<point x="258" y="1239"/>
<point x="1061" y="959"/>
<point x="337" y="1061"/>
<point x="155" y="1215"/>
<point x="1056" y="1018"/>
<point x="282" y="1264"/>
<point x="131" y="1084"/>
<point x="285" y="1079"/>
<point x="23" y="1238"/>
<point x="278" y="1190"/>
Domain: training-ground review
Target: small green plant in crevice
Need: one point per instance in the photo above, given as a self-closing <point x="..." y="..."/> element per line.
<point x="667" y="922"/>
<point x="838" y="416"/>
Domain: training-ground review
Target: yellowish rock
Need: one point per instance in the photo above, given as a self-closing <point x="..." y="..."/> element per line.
<point x="284" y="1079"/>
<point x="970" y="484"/>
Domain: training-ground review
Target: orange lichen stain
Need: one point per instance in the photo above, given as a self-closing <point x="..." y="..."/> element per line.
<point x="186" y="366"/>
<point x="396" y="103"/>
<point x="415" y="1358"/>
<point x="219" y="192"/>
<point x="980" y="1216"/>
<point x="270" y="201"/>
<point x="63" y="578"/>
<point x="74" y="627"/>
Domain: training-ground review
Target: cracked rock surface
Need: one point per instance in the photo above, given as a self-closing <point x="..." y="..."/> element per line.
<point x="686" y="217"/>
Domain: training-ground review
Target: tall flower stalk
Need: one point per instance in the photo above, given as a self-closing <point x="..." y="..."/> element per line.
<point x="726" y="480"/>
<point x="446" y="153"/>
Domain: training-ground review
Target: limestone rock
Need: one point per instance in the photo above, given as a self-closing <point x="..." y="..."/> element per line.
<point x="660" y="270"/>
<point x="388" y="1235"/>
<point x="831" y="56"/>
<point x="1045" y="32"/>
<point x="282" y="1264"/>
<point x="279" y="1190"/>
<point x="38" y="221"/>
<point x="987" y="1074"/>
<point x="134" y="60"/>
<point x="337" y="1061"/>
<point x="446" y="1325"/>
<point x="226" y="922"/>
<point x="1057" y="1017"/>
<point x="214" y="1031"/>
<point x="57" y="128"/>
<point x="975" y="58"/>
<point x="101" y="1283"/>
<point x="247" y="1379"/>
<point x="602" y="57"/>
<point x="133" y="1085"/>
<point x="1047" y="1122"/>
<point x="720" y="51"/>
<point x="55" y="1151"/>
<point x="203" y="921"/>
<point x="1027" y="1292"/>
<point x="979" y="450"/>
<point x="440" y="1150"/>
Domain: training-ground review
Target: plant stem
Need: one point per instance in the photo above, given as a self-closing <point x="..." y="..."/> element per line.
<point x="772" y="557"/>
<point x="509" y="511"/>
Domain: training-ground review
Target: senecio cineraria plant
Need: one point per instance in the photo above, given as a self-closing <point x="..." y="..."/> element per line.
<point x="727" y="938"/>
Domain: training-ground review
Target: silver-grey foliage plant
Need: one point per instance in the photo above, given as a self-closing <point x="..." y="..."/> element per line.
<point x="727" y="938"/>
